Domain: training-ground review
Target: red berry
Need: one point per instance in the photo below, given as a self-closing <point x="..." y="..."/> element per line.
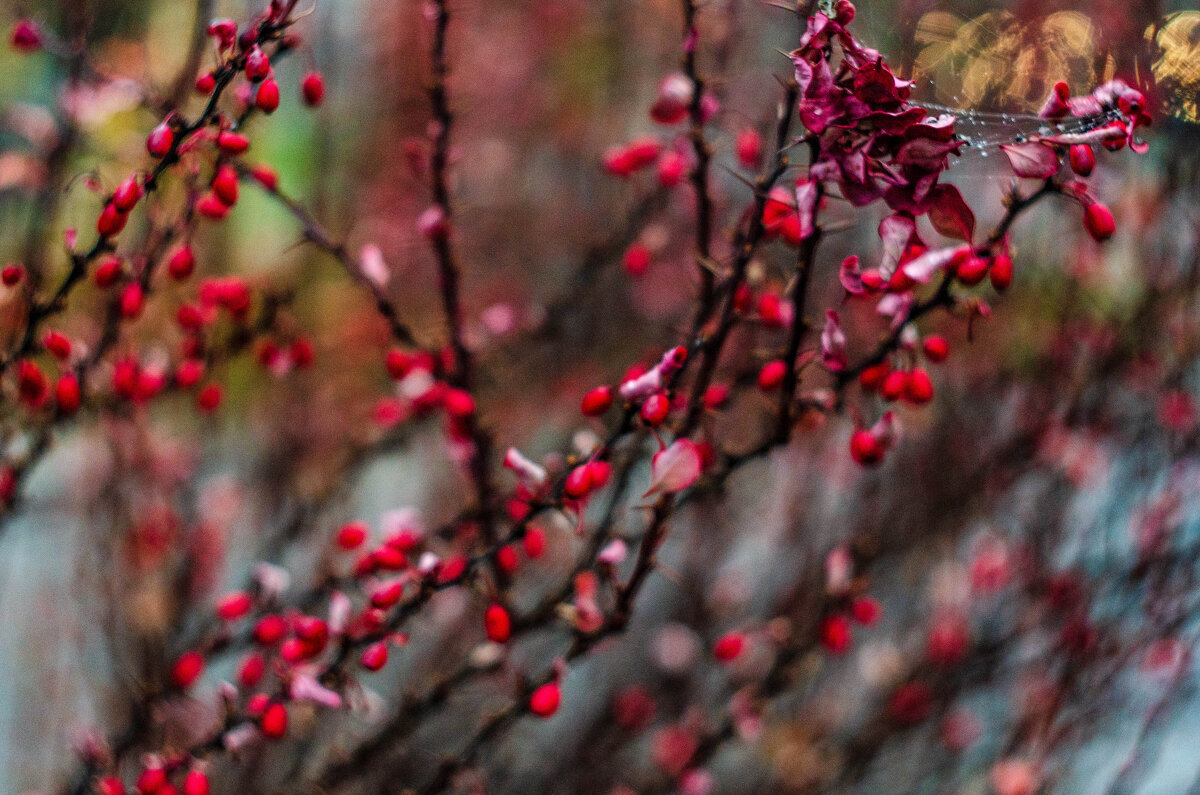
<point x="312" y="629"/>
<point x="265" y="176"/>
<point x="267" y="98"/>
<point x="900" y="281"/>
<point x="1083" y="160"/>
<point x="865" y="610"/>
<point x="872" y="378"/>
<point x="12" y="275"/>
<point x="190" y="317"/>
<point x="388" y="594"/>
<point x="158" y="143"/>
<point x="8" y="484"/>
<point x="182" y="263"/>
<point x="458" y="403"/>
<point x="153" y="779"/>
<point x="389" y="558"/>
<point x="235" y="605"/>
<point x="211" y="206"/>
<point x="872" y="280"/>
<point x="599" y="473"/>
<point x="743" y="297"/>
<point x="674" y="98"/>
<point x="195" y="783"/>
<point x="257" y="704"/>
<point x="302" y="352"/>
<point x="1098" y="220"/>
<point x="534" y="542"/>
<point x="947" y="642"/>
<point x="497" y="624"/>
<point x="836" y="634"/>
<point x="189" y="372"/>
<point x="57" y="344"/>
<point x="373" y="619"/>
<point x="936" y="348"/>
<point x="770" y="310"/>
<point x="205" y="84"/>
<point x="312" y="88"/>
<point x="1002" y="272"/>
<point x="111" y="221"/>
<point x="452" y="570"/>
<point x="232" y="143"/>
<point x="918" y="389"/>
<point x="597" y="401"/>
<point x="274" y="721"/>
<point x="636" y="260"/>
<point x="433" y="223"/>
<point x="771" y="375"/>
<point x="125" y="378"/>
<point x="715" y="396"/>
<point x="209" y="398"/>
<point x="544" y="701"/>
<point x="729" y="647"/>
<point x="672" y="168"/>
<point x="507" y="560"/>
<point x="26" y="36"/>
<point x="224" y="31"/>
<point x="187" y="669"/>
<point x="352" y="535"/>
<point x="973" y="271"/>
<point x="894" y="385"/>
<point x="578" y="482"/>
<point x="399" y="363"/>
<point x="132" y="301"/>
<point x="225" y="185"/>
<point x="749" y="148"/>
<point x="269" y="630"/>
<point x="865" y="449"/>
<point x="656" y="408"/>
<point x="107" y="272"/>
<point x="67" y="394"/>
<point x="128" y="193"/>
<point x="32" y="384"/>
<point x="258" y="65"/>
<point x="375" y="656"/>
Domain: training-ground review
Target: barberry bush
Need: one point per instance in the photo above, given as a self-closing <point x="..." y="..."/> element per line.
<point x="631" y="397"/>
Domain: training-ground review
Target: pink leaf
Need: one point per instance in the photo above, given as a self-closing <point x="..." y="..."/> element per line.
<point x="926" y="153"/>
<point x="884" y="430"/>
<point x="851" y="276"/>
<point x="895" y="232"/>
<point x="675" y="468"/>
<point x="1055" y="106"/>
<point x="922" y="268"/>
<point x="833" y="343"/>
<point x="305" y="687"/>
<point x="806" y="203"/>
<point x="1099" y="135"/>
<point x="950" y="214"/>
<point x="614" y="552"/>
<point x="371" y="262"/>
<point x="896" y="306"/>
<point x="1033" y="160"/>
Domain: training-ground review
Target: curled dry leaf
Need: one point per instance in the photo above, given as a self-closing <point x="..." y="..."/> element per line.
<point x="675" y="468"/>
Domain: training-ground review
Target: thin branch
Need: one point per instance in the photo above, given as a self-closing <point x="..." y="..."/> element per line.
<point x="699" y="176"/>
<point x="324" y="240"/>
<point x="449" y="277"/>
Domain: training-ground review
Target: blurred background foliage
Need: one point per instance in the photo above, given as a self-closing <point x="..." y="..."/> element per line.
<point x="1092" y="338"/>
